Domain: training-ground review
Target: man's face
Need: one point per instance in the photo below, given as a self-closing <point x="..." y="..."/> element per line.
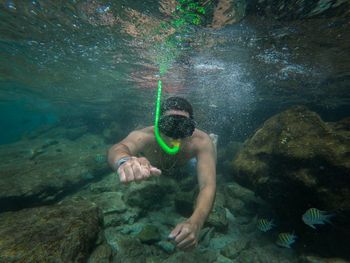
<point x="175" y="112"/>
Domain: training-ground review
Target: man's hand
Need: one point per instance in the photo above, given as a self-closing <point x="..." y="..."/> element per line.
<point x="185" y="234"/>
<point x="136" y="169"/>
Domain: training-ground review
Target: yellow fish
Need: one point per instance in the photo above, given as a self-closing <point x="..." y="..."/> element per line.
<point x="265" y="225"/>
<point x="314" y="216"/>
<point x="285" y="239"/>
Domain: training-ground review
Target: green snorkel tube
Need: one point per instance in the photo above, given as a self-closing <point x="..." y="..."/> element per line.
<point x="188" y="12"/>
<point x="169" y="150"/>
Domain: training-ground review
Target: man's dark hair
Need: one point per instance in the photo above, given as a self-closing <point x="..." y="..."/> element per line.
<point x="176" y="103"/>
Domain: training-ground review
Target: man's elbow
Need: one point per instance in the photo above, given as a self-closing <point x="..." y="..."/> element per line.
<point x="111" y="155"/>
<point x="209" y="188"/>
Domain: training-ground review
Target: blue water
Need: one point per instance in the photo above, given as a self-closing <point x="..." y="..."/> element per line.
<point x="24" y="115"/>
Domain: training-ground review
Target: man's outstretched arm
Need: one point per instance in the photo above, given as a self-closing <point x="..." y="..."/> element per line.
<point x="128" y="147"/>
<point x="134" y="168"/>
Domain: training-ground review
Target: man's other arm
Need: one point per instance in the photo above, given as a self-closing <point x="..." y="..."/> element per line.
<point x="206" y="169"/>
<point x="186" y="234"/>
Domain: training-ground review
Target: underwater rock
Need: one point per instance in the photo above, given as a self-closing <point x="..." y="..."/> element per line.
<point x="131" y="250"/>
<point x="148" y="195"/>
<point x="33" y="171"/>
<point x="102" y="254"/>
<point x="59" y="233"/>
<point x="233" y="249"/>
<point x="223" y="259"/>
<point x="217" y="218"/>
<point x="205" y="235"/>
<point x="239" y="192"/>
<point x="116" y="219"/>
<point x="264" y="256"/>
<point x="110" y="202"/>
<point x="168" y="247"/>
<point x="184" y="203"/>
<point x="149" y="234"/>
<point x="241" y="201"/>
<point x="255" y="249"/>
<point x="195" y="255"/>
<point x="296" y="161"/>
<point x="187" y="183"/>
<point x="109" y="183"/>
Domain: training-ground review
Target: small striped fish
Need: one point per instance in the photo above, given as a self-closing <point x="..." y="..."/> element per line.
<point x="313" y="216"/>
<point x="100" y="158"/>
<point x="285" y="239"/>
<point x="265" y="225"/>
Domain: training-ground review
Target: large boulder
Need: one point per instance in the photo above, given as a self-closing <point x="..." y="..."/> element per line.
<point x="296" y="161"/>
<point x="59" y="233"/>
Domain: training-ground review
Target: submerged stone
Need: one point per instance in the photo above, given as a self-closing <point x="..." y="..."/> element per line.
<point x="60" y="233"/>
<point x="149" y="234"/>
<point x="297" y="158"/>
<point x="148" y="195"/>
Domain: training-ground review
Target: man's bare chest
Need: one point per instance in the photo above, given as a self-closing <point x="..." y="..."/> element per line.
<point x="158" y="158"/>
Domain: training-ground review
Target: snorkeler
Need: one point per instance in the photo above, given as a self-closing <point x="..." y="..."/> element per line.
<point x="138" y="157"/>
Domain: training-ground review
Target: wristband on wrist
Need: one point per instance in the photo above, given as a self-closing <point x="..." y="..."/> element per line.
<point x="121" y="161"/>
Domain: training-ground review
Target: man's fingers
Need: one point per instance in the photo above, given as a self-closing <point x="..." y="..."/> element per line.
<point x="136" y="167"/>
<point x="136" y="170"/>
<point x="173" y="234"/>
<point x="155" y="171"/>
<point x="144" y="162"/>
<point x="187" y="240"/>
<point x="122" y="176"/>
<point x="184" y="236"/>
<point x="145" y="171"/>
<point x="181" y="236"/>
<point x="129" y="173"/>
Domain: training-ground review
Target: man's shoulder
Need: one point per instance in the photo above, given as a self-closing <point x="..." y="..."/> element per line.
<point x="144" y="133"/>
<point x="200" y="138"/>
<point x="203" y="141"/>
<point x="201" y="135"/>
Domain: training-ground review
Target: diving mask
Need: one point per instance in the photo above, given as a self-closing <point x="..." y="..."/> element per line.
<point x="176" y="126"/>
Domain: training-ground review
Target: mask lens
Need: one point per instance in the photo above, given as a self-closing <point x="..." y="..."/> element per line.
<point x="176" y="126"/>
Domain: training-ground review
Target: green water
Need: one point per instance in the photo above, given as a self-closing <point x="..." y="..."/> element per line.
<point x="74" y="69"/>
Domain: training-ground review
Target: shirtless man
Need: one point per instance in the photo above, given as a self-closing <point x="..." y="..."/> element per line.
<point x="176" y="125"/>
